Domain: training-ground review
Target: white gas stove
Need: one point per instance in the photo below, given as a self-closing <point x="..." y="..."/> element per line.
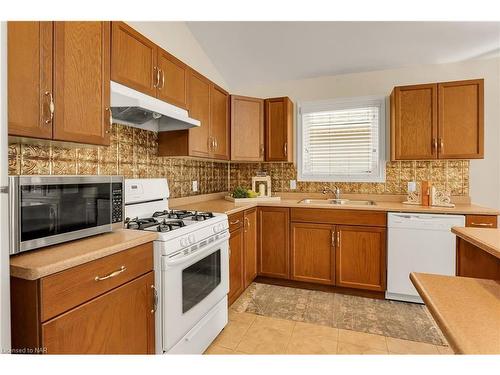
<point x="191" y="266"/>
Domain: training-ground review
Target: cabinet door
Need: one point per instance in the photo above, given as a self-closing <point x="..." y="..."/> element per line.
<point x="29" y="53"/>
<point x="273" y="245"/>
<point x="461" y="116"/>
<point x="199" y="108"/>
<point x="250" y="236"/>
<point x="474" y="262"/>
<point x="278" y="127"/>
<point x="414" y="122"/>
<point x="361" y="257"/>
<point x="247" y="128"/>
<point x="81" y="82"/>
<point x="173" y="75"/>
<point x="118" y="322"/>
<point x="236" y="265"/>
<point x="219" y="124"/>
<point x="313" y="253"/>
<point x="133" y="59"/>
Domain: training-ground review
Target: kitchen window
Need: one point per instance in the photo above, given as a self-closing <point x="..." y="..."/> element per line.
<point x="341" y="140"/>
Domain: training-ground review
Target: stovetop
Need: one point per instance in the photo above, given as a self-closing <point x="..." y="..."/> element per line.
<point x="168" y="220"/>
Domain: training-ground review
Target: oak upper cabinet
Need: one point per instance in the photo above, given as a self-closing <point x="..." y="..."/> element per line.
<point x="81" y="82"/>
<point x="278" y="129"/>
<point x="59" y="79"/>
<point x="313" y="253"/>
<point x="172" y="81"/>
<point x="360" y="257"/>
<point x="414" y="128"/>
<point x="250" y="245"/>
<point x="247" y="128"/>
<point x="29" y="71"/>
<point x="219" y="123"/>
<point x="209" y="104"/>
<point x="133" y="59"/>
<point x="118" y="322"/>
<point x="236" y="262"/>
<point x="438" y="121"/>
<point x="460" y="118"/>
<point x="199" y="108"/>
<point x="273" y="242"/>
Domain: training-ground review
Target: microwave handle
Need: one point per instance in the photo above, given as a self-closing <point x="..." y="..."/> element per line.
<point x="52" y="217"/>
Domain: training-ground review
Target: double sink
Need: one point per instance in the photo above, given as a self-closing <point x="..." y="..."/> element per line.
<point x="344" y="202"/>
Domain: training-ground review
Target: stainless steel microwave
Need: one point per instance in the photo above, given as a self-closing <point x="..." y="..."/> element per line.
<point x="47" y="210"/>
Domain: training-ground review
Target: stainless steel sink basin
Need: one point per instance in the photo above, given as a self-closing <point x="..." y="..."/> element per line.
<point x="344" y="202"/>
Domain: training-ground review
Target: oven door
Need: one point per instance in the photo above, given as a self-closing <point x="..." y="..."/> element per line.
<point x="191" y="286"/>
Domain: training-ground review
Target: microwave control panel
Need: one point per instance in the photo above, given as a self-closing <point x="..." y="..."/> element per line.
<point x="117" y="202"/>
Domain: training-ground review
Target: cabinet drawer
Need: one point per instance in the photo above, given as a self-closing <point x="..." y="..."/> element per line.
<point x="235" y="221"/>
<point x="337" y="216"/>
<point x="72" y="287"/>
<point x="481" y="221"/>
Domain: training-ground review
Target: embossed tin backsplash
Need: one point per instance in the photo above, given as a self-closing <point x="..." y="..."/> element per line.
<point x="133" y="153"/>
<point x="446" y="175"/>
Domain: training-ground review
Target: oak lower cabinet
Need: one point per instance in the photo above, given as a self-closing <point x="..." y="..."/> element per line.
<point x="360" y="257"/>
<point x="442" y="120"/>
<point x="313" y="253"/>
<point x="118" y="322"/>
<point x="475" y="262"/>
<point x="243" y="252"/>
<point x="250" y="245"/>
<point x="59" y="81"/>
<point x="106" y="306"/>
<point x="273" y="242"/>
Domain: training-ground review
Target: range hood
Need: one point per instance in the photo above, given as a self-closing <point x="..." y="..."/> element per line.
<point x="140" y="110"/>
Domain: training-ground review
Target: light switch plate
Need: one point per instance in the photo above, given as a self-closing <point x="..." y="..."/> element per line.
<point x="195" y="185"/>
<point x="293" y="184"/>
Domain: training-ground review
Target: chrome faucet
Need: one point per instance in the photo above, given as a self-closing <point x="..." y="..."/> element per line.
<point x="336" y="191"/>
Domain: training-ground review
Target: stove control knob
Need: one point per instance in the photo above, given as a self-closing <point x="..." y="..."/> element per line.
<point x="191" y="239"/>
<point x="214" y="229"/>
<point x="184" y="242"/>
<point x="221" y="227"/>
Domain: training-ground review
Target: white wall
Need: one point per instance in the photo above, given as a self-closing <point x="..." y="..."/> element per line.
<point x="177" y="39"/>
<point x="484" y="174"/>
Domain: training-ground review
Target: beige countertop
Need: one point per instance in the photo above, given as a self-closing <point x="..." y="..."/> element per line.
<point x="487" y="239"/>
<point x="222" y="205"/>
<point x="35" y="264"/>
<point x="466" y="309"/>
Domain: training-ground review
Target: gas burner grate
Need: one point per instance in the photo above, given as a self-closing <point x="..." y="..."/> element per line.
<point x="180" y="214"/>
<point x="200" y="216"/>
<point x="140" y="223"/>
<point x="161" y="213"/>
<point x="167" y="226"/>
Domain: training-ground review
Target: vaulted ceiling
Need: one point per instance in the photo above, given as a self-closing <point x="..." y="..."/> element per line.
<point x="248" y="53"/>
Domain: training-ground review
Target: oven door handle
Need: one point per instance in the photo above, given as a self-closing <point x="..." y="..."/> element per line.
<point x="187" y="258"/>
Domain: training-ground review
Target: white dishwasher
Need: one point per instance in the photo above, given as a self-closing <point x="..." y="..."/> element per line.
<point x="418" y="243"/>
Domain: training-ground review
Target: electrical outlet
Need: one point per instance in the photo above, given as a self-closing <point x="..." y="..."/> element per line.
<point x="195" y="185"/>
<point x="293" y="184"/>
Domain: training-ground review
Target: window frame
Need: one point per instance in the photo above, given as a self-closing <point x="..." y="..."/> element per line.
<point x="343" y="103"/>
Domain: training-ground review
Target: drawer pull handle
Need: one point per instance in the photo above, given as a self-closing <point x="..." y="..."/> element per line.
<point x="155" y="299"/>
<point x="482" y="224"/>
<point x="112" y="274"/>
<point x="235" y="222"/>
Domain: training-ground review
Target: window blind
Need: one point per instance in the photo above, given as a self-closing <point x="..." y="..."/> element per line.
<point x="341" y="142"/>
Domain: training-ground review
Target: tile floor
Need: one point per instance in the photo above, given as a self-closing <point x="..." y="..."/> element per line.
<point x="254" y="331"/>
